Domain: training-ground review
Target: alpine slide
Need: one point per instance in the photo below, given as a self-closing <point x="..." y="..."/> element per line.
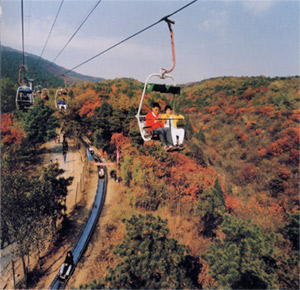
<point x="87" y="231"/>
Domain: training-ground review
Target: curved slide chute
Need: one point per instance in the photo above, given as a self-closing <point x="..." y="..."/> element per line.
<point x="86" y="233"/>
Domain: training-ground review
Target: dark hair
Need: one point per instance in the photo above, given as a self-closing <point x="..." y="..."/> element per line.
<point x="168" y="107"/>
<point x="155" y="105"/>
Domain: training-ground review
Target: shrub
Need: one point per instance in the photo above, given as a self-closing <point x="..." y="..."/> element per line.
<point x="276" y="186"/>
<point x="247" y="174"/>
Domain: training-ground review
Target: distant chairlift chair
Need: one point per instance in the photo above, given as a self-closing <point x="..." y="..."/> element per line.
<point x="24" y="98"/>
<point x="61" y="103"/>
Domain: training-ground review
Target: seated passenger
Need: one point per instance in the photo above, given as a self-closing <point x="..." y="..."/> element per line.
<point x="156" y="124"/>
<point x="67" y="266"/>
<point x="62" y="104"/>
<point x="45" y="97"/>
<point x="171" y="121"/>
<point x="101" y="171"/>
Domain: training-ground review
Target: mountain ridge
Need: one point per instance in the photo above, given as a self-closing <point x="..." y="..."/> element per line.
<point x="50" y="73"/>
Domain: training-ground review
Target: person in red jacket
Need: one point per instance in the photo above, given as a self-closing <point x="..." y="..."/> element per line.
<point x="157" y="126"/>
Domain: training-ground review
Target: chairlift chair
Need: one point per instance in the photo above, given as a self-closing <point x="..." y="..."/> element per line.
<point x="59" y="103"/>
<point x="151" y="87"/>
<point x="145" y="131"/>
<point x="37" y="89"/>
<point x="44" y="95"/>
<point x="24" y="98"/>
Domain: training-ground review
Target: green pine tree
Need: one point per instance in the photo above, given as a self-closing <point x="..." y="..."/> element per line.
<point x="211" y="207"/>
<point x="151" y="260"/>
<point x="8" y="95"/>
<point x="101" y="124"/>
<point x="288" y="262"/>
<point x="243" y="260"/>
<point x="40" y="124"/>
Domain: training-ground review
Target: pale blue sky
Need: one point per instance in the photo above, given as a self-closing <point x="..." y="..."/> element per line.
<point x="212" y="38"/>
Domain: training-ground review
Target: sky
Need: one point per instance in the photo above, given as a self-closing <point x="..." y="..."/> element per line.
<point x="212" y="38"/>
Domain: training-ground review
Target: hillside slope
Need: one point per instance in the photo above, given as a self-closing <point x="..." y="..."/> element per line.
<point x="240" y="165"/>
<point x="227" y="207"/>
<point x="11" y="59"/>
<point x="251" y="131"/>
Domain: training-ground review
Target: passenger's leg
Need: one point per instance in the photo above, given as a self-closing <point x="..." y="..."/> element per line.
<point x="161" y="134"/>
<point x="169" y="137"/>
<point x="69" y="270"/>
<point x="62" y="268"/>
<point x="174" y="136"/>
<point x="180" y="133"/>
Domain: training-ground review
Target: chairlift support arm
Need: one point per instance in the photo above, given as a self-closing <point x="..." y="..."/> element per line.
<point x="170" y="22"/>
<point x="65" y="80"/>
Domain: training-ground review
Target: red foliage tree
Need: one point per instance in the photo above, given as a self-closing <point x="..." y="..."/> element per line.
<point x="242" y="136"/>
<point x="248" y="94"/>
<point x="295" y="116"/>
<point x="212" y="110"/>
<point x="247" y="173"/>
<point x="268" y="110"/>
<point x="294" y="156"/>
<point x="231" y="202"/>
<point x="119" y="140"/>
<point x="206" y="118"/>
<point x="284" y="173"/>
<point x="88" y="107"/>
<point x="11" y="133"/>
<point x="230" y="111"/>
<point x="262" y="152"/>
<point x="240" y="111"/>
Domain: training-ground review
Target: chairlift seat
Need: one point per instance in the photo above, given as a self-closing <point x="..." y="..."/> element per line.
<point x="163" y="88"/>
<point x="25" y="90"/>
<point x="149" y="133"/>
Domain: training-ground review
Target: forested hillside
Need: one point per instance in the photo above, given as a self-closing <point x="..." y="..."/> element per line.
<point x="223" y="213"/>
<point x="40" y="70"/>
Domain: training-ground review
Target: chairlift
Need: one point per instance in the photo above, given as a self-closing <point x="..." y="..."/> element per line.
<point x="37" y="89"/>
<point x="60" y="95"/>
<point x="145" y="131"/>
<point x="60" y="101"/>
<point x="24" y="95"/>
<point x="154" y="87"/>
<point x="24" y="98"/>
<point x="45" y="94"/>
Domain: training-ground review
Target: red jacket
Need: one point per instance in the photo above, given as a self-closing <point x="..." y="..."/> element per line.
<point x="150" y="121"/>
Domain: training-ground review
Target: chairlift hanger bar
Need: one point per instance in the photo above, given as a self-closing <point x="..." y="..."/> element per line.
<point x="170" y="22"/>
<point x="65" y="80"/>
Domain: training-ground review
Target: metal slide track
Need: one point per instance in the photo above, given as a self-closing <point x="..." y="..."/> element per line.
<point x="87" y="232"/>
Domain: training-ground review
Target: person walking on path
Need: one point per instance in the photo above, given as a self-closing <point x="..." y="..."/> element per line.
<point x="65" y="149"/>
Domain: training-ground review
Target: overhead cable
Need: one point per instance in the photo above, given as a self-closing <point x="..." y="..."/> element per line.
<point x="95" y="6"/>
<point x="23" y="50"/>
<point x="129" y="37"/>
<point x="50" y="33"/>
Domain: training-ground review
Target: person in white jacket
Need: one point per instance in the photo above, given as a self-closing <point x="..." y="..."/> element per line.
<point x="170" y="121"/>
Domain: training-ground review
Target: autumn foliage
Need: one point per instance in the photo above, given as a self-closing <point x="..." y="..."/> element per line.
<point x="241" y="159"/>
<point x="11" y="133"/>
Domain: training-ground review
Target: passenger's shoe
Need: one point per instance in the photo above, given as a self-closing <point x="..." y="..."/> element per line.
<point x="170" y="148"/>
